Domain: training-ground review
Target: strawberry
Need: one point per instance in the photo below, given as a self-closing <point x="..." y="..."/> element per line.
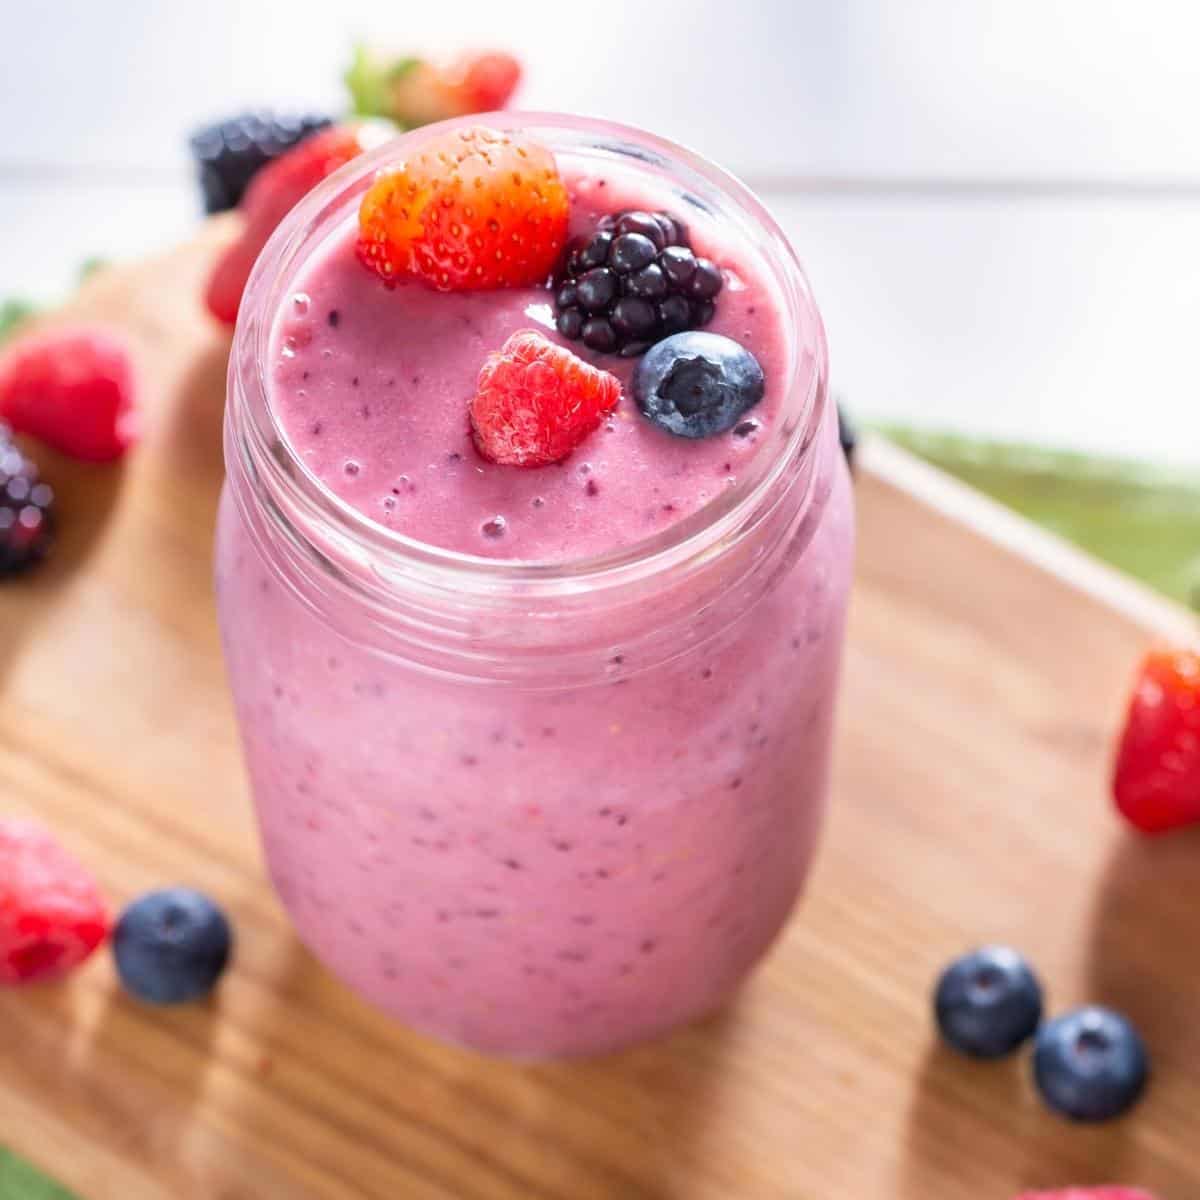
<point x="1157" y="777"/>
<point x="273" y="193"/>
<point x="52" y="915"/>
<point x="1089" y="1193"/>
<point x="535" y="402"/>
<point x="474" y="209"/>
<point x="417" y="91"/>
<point x="72" y="388"/>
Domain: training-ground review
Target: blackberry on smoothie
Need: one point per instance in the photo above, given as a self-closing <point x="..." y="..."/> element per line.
<point x="532" y="570"/>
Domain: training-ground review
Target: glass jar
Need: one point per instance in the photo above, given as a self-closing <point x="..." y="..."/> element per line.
<point x="538" y="809"/>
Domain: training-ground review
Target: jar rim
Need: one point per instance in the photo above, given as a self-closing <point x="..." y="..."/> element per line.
<point x="256" y="436"/>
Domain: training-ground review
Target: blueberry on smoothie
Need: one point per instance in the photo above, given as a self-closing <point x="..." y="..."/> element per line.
<point x="696" y="385"/>
<point x="171" y="946"/>
<point x="988" y="1002"/>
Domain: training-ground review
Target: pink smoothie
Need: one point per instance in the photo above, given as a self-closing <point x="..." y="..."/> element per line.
<point x="547" y="869"/>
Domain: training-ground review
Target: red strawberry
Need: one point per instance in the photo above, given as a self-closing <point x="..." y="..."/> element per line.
<point x="273" y="193"/>
<point x="1089" y="1193"/>
<point x="73" y="389"/>
<point x="535" y="402"/>
<point x="1157" y="778"/>
<point x="52" y="915"/>
<point x="416" y="91"/>
<point x="481" y="82"/>
<point x="474" y="209"/>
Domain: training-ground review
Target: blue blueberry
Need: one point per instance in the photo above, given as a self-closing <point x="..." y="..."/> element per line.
<point x="1090" y="1064"/>
<point x="695" y="385"/>
<point x="988" y="1002"/>
<point x="171" y="946"/>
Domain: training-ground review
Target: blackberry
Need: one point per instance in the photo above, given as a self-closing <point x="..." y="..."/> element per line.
<point x="633" y="282"/>
<point x="230" y="153"/>
<point x="26" y="510"/>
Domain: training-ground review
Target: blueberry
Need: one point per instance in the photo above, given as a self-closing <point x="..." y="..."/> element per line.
<point x="598" y="334"/>
<point x="988" y="1002"/>
<point x="569" y="323"/>
<point x="631" y="252"/>
<point x="695" y="385"/>
<point x="597" y="289"/>
<point x="645" y="224"/>
<point x="1090" y="1064"/>
<point x="171" y="946"/>
<point x="706" y="281"/>
<point x="678" y="263"/>
<point x="650" y="283"/>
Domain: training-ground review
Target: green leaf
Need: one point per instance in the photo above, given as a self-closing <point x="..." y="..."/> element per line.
<point x="20" y="1181"/>
<point x="1140" y="518"/>
<point x="367" y="81"/>
<point x="90" y="266"/>
<point x="12" y="313"/>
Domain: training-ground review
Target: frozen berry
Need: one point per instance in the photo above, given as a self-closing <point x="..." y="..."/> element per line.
<point x="230" y="153"/>
<point x="1157" y="776"/>
<point x="72" y="388"/>
<point x="26" y="510"/>
<point x="474" y="209"/>
<point x="171" y="946"/>
<point x="695" y="385"/>
<point x="639" y="255"/>
<point x="52" y="915"/>
<point x="1090" y="1064"/>
<point x="535" y="402"/>
<point x="988" y="1002"/>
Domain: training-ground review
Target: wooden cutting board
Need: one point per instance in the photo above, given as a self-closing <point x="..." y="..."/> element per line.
<point x="986" y="671"/>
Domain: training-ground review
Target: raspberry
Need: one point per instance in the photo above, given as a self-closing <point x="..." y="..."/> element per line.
<point x="274" y="192"/>
<point x="52" y="915"/>
<point x="26" y="510"/>
<point x="230" y="153"/>
<point x="1157" y="778"/>
<point x="474" y="209"/>
<point x="72" y="389"/>
<point x="535" y="402"/>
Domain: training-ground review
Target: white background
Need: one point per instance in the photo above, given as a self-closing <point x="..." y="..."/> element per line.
<point x="998" y="203"/>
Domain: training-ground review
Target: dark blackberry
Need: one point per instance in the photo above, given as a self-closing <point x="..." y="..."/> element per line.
<point x="26" y="510"/>
<point x="229" y="153"/>
<point x="633" y="282"/>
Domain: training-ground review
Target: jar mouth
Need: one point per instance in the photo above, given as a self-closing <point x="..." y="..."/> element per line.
<point x="256" y="436"/>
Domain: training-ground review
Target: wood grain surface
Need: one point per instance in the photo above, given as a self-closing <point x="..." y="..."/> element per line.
<point x="986" y="671"/>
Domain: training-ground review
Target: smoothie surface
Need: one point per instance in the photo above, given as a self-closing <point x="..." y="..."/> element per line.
<point x="371" y="384"/>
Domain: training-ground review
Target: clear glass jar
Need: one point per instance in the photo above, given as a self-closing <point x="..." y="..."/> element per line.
<point x="539" y="809"/>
